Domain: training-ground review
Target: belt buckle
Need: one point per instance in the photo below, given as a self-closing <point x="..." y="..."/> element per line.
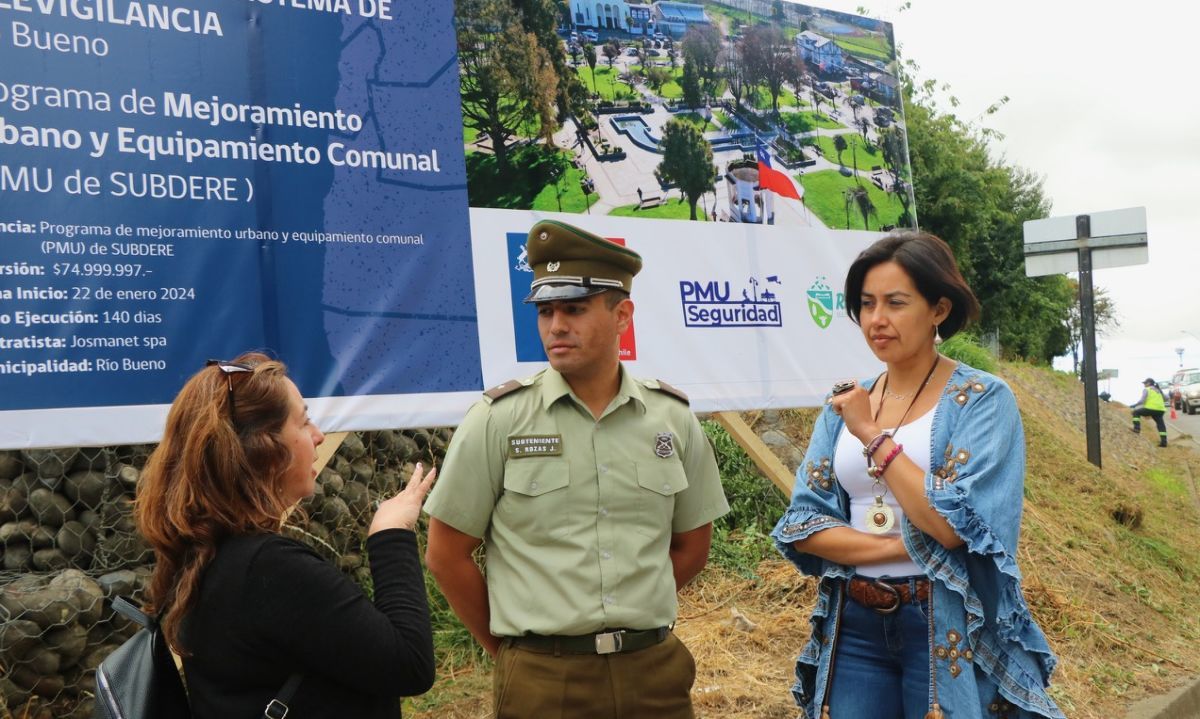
<point x="610" y="642"/>
<point x="891" y="590"/>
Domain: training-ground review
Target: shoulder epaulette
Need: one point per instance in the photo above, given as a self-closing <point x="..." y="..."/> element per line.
<point x="502" y="390"/>
<point x="661" y="386"/>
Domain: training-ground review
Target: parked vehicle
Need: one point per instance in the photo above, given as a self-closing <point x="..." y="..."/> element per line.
<point x="1186" y="386"/>
<point x="591" y="36"/>
<point x="884" y="116"/>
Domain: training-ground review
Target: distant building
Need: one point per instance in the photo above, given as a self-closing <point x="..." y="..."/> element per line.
<point x="605" y="14"/>
<point x="674" y="18"/>
<point x="820" y="52"/>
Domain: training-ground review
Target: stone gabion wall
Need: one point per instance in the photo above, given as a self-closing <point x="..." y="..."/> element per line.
<point x="68" y="545"/>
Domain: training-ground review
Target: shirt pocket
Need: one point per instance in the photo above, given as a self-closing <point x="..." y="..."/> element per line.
<point x="535" y="496"/>
<point x="658" y="482"/>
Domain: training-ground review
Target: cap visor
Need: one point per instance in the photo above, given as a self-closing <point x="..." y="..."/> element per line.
<point x="549" y="293"/>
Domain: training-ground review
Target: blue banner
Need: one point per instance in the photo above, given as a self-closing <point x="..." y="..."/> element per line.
<point x="192" y="180"/>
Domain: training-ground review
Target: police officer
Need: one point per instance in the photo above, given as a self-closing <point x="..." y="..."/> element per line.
<point x="1151" y="404"/>
<point x="594" y="495"/>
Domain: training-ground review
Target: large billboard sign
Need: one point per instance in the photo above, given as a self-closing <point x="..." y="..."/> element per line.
<point x="190" y="180"/>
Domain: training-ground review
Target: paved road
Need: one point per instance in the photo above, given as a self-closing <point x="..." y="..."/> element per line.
<point x="1184" y="424"/>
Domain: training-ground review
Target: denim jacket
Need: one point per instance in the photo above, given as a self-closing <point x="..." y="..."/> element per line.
<point x="991" y="659"/>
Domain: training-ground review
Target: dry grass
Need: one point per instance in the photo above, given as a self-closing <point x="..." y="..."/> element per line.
<point x="1116" y="600"/>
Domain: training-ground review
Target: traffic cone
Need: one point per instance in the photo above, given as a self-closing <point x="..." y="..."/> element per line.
<point x="1173" y="415"/>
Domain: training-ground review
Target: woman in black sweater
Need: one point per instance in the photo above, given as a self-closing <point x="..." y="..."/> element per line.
<point x="247" y="607"/>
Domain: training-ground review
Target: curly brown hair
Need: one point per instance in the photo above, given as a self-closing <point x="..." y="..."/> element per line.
<point x="216" y="473"/>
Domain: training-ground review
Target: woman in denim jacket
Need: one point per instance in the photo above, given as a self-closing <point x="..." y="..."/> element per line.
<point x="907" y="507"/>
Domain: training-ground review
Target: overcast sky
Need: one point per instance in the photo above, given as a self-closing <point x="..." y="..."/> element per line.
<point x="1105" y="107"/>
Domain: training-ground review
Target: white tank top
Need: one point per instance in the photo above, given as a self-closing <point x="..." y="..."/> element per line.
<point x="851" y="468"/>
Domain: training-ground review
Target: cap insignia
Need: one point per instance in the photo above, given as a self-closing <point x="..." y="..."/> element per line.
<point x="552" y="266"/>
<point x="544" y="236"/>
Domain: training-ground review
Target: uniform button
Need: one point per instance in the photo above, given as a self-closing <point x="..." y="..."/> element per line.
<point x="608" y="599"/>
<point x="603" y="468"/>
<point x="533" y="486"/>
<point x="666" y="487"/>
<point x="606" y="554"/>
<point x="604" y="511"/>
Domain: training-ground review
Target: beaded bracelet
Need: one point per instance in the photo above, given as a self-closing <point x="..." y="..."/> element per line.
<point x="875" y="471"/>
<point x="873" y="445"/>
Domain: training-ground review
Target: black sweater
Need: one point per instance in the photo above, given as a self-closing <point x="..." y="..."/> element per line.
<point x="270" y="606"/>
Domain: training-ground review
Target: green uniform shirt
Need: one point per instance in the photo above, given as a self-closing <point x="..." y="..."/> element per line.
<point x="577" y="514"/>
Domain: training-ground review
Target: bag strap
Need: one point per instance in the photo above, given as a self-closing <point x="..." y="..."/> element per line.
<point x="278" y="708"/>
<point x="130" y="611"/>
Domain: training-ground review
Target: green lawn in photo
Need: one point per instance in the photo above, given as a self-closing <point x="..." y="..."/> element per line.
<point x="747" y="18"/>
<point x="868" y="155"/>
<point x="804" y="121"/>
<point x="760" y="99"/>
<point x="570" y="195"/>
<point x="695" y="119"/>
<point x="608" y="85"/>
<point x="724" y="120"/>
<point x="670" y="90"/>
<point x="527" y="130"/>
<point x="674" y="209"/>
<point x="529" y="185"/>
<point x="823" y="196"/>
<point x="872" y="46"/>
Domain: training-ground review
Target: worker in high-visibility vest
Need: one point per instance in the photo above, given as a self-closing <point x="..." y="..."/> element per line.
<point x="1152" y="403"/>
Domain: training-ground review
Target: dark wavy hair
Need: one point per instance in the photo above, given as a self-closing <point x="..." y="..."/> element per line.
<point x="213" y="475"/>
<point x="930" y="263"/>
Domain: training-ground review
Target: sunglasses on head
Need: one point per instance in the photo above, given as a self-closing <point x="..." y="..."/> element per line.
<point x="229" y="369"/>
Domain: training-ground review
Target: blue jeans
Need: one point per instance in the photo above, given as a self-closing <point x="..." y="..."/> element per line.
<point x="881" y="668"/>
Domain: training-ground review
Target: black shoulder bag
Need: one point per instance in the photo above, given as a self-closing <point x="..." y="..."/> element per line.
<point x="139" y="680"/>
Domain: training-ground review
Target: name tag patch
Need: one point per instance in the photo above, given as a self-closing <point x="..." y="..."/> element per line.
<point x="534" y="445"/>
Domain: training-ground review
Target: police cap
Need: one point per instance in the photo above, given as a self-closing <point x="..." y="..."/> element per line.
<point x="569" y="263"/>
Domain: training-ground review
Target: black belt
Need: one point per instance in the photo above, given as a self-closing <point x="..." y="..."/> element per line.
<point x="611" y="642"/>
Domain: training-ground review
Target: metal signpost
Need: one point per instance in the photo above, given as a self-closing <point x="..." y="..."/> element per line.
<point x="1083" y="243"/>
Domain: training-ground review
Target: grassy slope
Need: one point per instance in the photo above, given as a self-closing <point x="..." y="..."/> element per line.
<point x="1115" y="601"/>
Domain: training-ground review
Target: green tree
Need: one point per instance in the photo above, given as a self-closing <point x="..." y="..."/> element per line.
<point x="840" y="145"/>
<point x="769" y="59"/>
<point x="589" y="55"/>
<point x="687" y="161"/>
<point x="656" y="77"/>
<point x="701" y="45"/>
<point x="978" y="205"/>
<point x="864" y="124"/>
<point x="506" y="77"/>
<point x="693" y="96"/>
<point x="541" y="17"/>
<point x="1105" y="314"/>
<point x="859" y="199"/>
<point x="611" y="50"/>
<point x="892" y="142"/>
<point x="733" y="72"/>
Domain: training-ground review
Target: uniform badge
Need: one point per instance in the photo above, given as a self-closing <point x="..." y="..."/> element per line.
<point x="664" y="444"/>
<point x="552" y="266"/>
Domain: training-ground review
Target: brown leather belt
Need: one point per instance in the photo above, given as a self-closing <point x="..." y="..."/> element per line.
<point x="885" y="597"/>
<point x="610" y="642"/>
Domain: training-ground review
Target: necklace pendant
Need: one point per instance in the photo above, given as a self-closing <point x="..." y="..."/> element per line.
<point x="880" y="518"/>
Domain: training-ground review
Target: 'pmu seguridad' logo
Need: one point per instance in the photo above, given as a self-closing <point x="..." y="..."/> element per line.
<point x="717" y="304"/>
<point x="824" y="303"/>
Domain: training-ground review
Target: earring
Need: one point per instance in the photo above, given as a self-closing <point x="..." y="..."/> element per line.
<point x="937" y="335"/>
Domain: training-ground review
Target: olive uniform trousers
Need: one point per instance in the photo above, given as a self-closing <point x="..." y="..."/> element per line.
<point x="654" y="683"/>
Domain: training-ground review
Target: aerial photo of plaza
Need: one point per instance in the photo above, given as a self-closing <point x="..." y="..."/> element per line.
<point x="757" y="111"/>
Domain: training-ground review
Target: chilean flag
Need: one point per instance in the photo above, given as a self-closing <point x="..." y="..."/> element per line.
<point x="772" y="179"/>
